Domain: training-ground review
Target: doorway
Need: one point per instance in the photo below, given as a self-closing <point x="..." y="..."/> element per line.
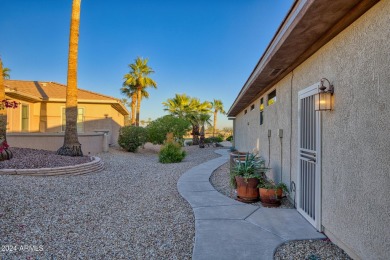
<point x="309" y="159"/>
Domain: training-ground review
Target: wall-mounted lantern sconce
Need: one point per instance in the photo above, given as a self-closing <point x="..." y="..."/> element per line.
<point x="323" y="99"/>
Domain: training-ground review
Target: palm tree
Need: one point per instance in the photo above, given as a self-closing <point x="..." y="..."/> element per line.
<point x="203" y="119"/>
<point x="3" y="112"/>
<point x="218" y="108"/>
<point x="139" y="77"/>
<point x="132" y="92"/>
<point x="72" y="146"/>
<point x="127" y="104"/>
<point x="189" y="108"/>
<point x="6" y="72"/>
<point x="5" y="153"/>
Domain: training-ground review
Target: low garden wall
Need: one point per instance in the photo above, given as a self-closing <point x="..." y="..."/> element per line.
<point x="91" y="143"/>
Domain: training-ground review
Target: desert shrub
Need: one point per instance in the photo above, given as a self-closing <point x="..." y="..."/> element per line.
<point x="229" y="138"/>
<point x="171" y="152"/>
<point x="131" y="137"/>
<point x="158" y="129"/>
<point x="215" y="139"/>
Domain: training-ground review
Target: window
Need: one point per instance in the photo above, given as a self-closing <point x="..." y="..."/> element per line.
<point x="272" y="97"/>
<point x="261" y="110"/>
<point x="80" y="120"/>
<point x="252" y="107"/>
<point x="25" y="118"/>
<point x="246" y="111"/>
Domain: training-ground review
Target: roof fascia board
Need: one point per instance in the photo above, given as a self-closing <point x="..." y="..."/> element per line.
<point x="9" y="91"/>
<point x="293" y="13"/>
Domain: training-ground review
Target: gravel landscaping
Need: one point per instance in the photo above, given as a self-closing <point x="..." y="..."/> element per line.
<point x="130" y="210"/>
<point x="302" y="249"/>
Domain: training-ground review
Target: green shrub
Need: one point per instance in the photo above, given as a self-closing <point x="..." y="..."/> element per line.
<point x="131" y="137"/>
<point x="230" y="138"/>
<point x="216" y="139"/>
<point x="158" y="129"/>
<point x="171" y="153"/>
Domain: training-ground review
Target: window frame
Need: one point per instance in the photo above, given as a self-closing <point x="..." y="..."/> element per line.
<point x="271" y="101"/>
<point x="63" y="119"/>
<point x="22" y="119"/>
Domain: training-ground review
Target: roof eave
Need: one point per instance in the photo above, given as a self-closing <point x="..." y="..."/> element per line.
<point x="330" y="19"/>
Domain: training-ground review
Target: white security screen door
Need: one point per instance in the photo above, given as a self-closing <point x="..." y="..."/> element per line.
<point x="309" y="160"/>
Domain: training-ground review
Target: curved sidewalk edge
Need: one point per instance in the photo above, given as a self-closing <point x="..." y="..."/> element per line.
<point x="228" y="229"/>
<point x="95" y="165"/>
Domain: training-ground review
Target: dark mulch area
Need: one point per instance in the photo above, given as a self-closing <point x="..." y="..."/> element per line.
<point x="25" y="158"/>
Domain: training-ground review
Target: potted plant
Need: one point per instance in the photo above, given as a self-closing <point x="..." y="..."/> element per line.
<point x="271" y="193"/>
<point x="245" y="175"/>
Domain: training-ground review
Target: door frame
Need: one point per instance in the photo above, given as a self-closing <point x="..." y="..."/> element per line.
<point x="317" y="223"/>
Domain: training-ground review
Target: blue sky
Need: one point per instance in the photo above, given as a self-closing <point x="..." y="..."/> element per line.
<point x="204" y="48"/>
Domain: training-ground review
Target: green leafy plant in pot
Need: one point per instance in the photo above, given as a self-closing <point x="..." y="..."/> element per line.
<point x="271" y="193"/>
<point x="245" y="175"/>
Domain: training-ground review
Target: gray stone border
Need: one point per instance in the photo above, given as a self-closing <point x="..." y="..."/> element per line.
<point x="95" y="165"/>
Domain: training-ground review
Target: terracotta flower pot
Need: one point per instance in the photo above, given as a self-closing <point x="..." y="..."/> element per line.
<point x="247" y="190"/>
<point x="236" y="156"/>
<point x="270" y="197"/>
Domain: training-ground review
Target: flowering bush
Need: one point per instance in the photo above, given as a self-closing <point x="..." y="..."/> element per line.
<point x="8" y="104"/>
<point x="3" y="146"/>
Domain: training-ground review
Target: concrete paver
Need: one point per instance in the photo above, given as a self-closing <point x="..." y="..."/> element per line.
<point x="228" y="229"/>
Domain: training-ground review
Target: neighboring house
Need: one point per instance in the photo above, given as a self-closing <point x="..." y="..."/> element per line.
<point x="338" y="160"/>
<point x="42" y="109"/>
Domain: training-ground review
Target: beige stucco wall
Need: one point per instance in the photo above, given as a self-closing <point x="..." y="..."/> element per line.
<point x="14" y="116"/>
<point x="355" y="135"/>
<point x="47" y="117"/>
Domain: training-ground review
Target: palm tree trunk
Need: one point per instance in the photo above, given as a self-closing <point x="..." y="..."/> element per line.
<point x="138" y="105"/>
<point x="72" y="146"/>
<point x="133" y="105"/>
<point x="215" y="122"/>
<point x="195" y="134"/>
<point x="5" y="154"/>
<point x="3" y="112"/>
<point x="201" y="140"/>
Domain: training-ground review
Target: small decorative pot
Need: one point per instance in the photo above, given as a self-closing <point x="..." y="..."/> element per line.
<point x="270" y="197"/>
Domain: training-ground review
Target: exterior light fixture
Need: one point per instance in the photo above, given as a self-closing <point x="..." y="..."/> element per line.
<point x="323" y="99"/>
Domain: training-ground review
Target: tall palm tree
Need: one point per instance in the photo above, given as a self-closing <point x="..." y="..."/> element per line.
<point x="139" y="77"/>
<point x="189" y="108"/>
<point x="5" y="153"/>
<point x="3" y="112"/>
<point x="218" y="108"/>
<point x="132" y="92"/>
<point x="72" y="146"/>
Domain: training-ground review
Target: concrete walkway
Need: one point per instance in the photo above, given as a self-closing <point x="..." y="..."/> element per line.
<point x="228" y="229"/>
